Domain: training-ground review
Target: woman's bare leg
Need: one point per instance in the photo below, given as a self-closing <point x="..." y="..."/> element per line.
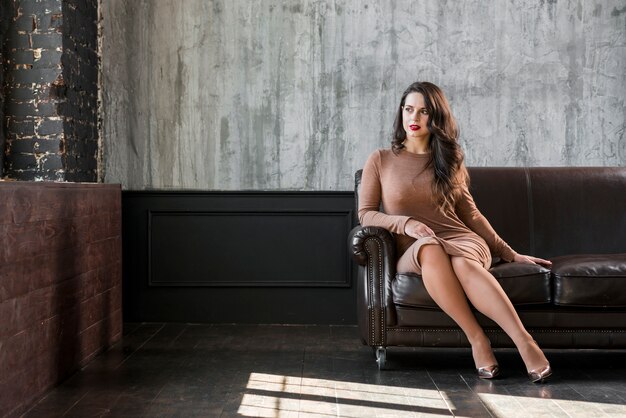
<point x="486" y="294"/>
<point x="445" y="289"/>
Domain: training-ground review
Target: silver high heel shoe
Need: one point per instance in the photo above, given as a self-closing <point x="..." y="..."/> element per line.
<point x="488" y="372"/>
<point x="540" y="375"/>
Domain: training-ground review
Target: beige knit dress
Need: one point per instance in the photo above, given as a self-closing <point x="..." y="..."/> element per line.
<point x="403" y="184"/>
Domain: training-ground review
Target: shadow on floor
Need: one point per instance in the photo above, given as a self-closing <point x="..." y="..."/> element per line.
<point x="271" y="371"/>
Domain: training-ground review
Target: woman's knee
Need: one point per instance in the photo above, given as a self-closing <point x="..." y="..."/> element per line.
<point x="461" y="262"/>
<point x="464" y="266"/>
<point x="432" y="254"/>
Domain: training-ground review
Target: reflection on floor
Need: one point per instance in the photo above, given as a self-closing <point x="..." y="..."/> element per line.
<point x="317" y="371"/>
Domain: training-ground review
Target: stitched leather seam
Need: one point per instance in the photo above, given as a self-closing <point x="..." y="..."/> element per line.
<point x="371" y="280"/>
<point x="369" y="289"/>
<point x="531" y="213"/>
<point x="382" y="295"/>
<point x="371" y="293"/>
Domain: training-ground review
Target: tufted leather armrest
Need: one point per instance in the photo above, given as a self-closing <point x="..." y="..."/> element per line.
<point x="374" y="249"/>
<point x="360" y="234"/>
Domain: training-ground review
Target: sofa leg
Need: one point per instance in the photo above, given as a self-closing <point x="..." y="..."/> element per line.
<point x="381" y="357"/>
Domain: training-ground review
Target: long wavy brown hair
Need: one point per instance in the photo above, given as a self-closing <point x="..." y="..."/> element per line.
<point x="446" y="155"/>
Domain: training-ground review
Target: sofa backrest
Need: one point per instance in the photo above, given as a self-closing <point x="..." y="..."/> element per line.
<point x="579" y="210"/>
<point x="552" y="211"/>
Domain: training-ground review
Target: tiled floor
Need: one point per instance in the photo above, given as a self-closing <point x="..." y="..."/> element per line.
<point x="313" y="371"/>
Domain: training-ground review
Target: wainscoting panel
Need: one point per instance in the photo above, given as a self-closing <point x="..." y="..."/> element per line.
<point x="238" y="257"/>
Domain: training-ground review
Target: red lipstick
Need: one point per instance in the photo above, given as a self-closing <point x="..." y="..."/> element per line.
<point x="414" y="127"/>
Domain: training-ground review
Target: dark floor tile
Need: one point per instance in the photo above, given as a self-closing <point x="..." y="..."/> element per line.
<point x="219" y="370"/>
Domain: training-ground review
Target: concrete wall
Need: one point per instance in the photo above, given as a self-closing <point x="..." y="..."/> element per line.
<point x="270" y="94"/>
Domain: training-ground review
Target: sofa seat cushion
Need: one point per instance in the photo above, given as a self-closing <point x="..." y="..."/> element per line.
<point x="525" y="284"/>
<point x="590" y="280"/>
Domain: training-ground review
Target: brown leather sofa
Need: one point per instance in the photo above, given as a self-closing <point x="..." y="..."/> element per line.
<point x="576" y="217"/>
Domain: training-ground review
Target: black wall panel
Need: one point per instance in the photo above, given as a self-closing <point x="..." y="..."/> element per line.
<point x="242" y="257"/>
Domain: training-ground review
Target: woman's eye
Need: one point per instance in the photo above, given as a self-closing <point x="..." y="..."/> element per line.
<point x="424" y="112"/>
<point x="408" y="109"/>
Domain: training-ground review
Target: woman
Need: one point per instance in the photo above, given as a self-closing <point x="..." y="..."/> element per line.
<point x="423" y="186"/>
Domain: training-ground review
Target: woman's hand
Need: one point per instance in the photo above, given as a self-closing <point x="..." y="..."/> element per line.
<point x="520" y="258"/>
<point x="417" y="229"/>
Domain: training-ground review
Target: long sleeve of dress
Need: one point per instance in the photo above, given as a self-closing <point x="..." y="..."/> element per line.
<point x="470" y="215"/>
<point x="370" y="197"/>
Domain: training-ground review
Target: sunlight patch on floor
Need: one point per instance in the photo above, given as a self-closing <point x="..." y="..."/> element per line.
<point x="269" y="395"/>
<point x="509" y="405"/>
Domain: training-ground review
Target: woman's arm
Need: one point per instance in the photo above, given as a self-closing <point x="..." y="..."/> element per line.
<point x="370" y="197"/>
<point x="520" y="258"/>
<point x="470" y="215"/>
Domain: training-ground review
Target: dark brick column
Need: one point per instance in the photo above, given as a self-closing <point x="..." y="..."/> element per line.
<point x="50" y="89"/>
<point x="3" y="29"/>
<point x="80" y="63"/>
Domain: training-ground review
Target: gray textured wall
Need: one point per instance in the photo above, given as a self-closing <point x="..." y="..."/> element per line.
<point x="293" y="95"/>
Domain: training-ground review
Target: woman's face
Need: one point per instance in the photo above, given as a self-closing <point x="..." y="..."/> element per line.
<point x="415" y="117"/>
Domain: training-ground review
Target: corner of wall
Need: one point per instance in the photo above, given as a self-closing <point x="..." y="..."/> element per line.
<point x="100" y="170"/>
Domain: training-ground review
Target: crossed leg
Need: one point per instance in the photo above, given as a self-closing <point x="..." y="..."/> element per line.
<point x="486" y="294"/>
<point x="445" y="288"/>
<point x="449" y="279"/>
